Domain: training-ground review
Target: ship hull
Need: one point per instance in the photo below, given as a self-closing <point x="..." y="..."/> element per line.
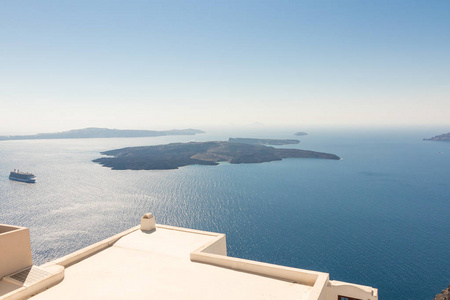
<point x="26" y="180"/>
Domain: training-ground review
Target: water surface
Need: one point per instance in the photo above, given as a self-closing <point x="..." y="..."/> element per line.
<point x="378" y="217"/>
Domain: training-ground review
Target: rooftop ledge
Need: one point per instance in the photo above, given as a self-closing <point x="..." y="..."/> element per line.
<point x="166" y="262"/>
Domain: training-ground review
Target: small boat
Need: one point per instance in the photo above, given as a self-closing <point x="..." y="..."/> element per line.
<point x="21" y="176"/>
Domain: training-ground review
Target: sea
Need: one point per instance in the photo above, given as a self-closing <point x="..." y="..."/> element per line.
<point x="378" y="217"/>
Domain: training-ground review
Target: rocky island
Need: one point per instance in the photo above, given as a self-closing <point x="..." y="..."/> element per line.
<point x="300" y="133"/>
<point x="445" y="295"/>
<point x="94" y="132"/>
<point x="173" y="156"/>
<point x="440" y="138"/>
<point x="273" y="142"/>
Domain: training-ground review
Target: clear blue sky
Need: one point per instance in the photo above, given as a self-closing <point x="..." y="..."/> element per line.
<point x="166" y="64"/>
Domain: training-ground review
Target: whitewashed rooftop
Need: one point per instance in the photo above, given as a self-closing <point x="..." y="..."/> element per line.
<point x="163" y="262"/>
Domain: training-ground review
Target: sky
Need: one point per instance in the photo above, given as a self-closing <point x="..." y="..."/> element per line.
<point x="165" y="64"/>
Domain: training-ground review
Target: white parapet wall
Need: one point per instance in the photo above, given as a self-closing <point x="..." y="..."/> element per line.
<point x="214" y="253"/>
<point x="15" y="249"/>
<point x="356" y="291"/>
<point x="19" y="279"/>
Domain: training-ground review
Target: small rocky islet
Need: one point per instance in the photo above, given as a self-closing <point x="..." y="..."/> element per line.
<point x="300" y="133"/>
<point x="175" y="155"/>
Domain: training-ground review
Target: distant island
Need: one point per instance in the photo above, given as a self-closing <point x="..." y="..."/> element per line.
<point x="93" y="132"/>
<point x="300" y="133"/>
<point x="274" y="142"/>
<point x="173" y="156"/>
<point x="440" y="138"/>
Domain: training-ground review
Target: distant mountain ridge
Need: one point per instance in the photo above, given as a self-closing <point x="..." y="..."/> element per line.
<point x="94" y="132"/>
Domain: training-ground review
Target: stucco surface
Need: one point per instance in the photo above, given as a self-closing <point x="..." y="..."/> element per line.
<point x="156" y="265"/>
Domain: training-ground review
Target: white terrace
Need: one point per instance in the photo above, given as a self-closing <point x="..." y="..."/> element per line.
<point x="158" y="262"/>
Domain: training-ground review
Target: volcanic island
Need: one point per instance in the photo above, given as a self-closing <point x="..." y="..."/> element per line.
<point x="175" y="155"/>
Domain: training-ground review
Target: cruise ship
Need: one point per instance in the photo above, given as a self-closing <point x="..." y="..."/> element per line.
<point x="21" y="176"/>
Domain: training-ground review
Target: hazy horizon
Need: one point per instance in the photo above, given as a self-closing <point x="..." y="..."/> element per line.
<point x="160" y="65"/>
<point x="259" y="129"/>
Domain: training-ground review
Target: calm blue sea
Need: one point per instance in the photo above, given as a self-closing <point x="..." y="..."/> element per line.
<point x="379" y="217"/>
